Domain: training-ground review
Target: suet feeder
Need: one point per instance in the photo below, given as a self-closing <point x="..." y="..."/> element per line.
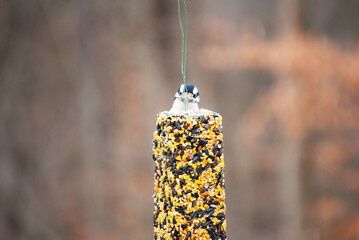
<point x="189" y="186"/>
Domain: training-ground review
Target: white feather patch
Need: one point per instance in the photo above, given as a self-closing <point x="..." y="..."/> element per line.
<point x="182" y="88"/>
<point x="195" y="90"/>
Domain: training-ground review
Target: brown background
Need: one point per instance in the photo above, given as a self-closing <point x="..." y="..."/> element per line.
<point x="81" y="83"/>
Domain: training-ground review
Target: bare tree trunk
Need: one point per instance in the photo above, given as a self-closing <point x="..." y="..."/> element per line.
<point x="288" y="16"/>
<point x="290" y="190"/>
<point x="90" y="123"/>
<point x="289" y="168"/>
<point x="246" y="188"/>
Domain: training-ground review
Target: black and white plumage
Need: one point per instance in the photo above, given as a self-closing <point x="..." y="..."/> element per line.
<point x="192" y="94"/>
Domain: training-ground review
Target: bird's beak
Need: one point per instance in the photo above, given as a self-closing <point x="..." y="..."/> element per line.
<point x="189" y="97"/>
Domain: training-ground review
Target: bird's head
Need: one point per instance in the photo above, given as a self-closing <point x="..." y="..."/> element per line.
<point x="190" y="91"/>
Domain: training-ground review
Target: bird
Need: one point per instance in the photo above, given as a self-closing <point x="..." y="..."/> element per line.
<point x="186" y="92"/>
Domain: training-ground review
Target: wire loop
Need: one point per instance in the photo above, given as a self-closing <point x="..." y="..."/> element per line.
<point x="184" y="47"/>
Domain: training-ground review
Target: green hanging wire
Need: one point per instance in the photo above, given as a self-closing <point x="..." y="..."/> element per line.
<point x="184" y="47"/>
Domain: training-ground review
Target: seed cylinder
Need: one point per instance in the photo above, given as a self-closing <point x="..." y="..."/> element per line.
<point x="189" y="187"/>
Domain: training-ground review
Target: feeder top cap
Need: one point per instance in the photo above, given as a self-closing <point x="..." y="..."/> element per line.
<point x="192" y="113"/>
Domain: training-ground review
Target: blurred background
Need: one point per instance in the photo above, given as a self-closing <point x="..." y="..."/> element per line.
<point x="81" y="83"/>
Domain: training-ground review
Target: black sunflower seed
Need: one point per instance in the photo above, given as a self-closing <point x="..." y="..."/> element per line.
<point x="171" y="160"/>
<point x="188" y="191"/>
<point x="207" y="127"/>
<point x="182" y="183"/>
<point x="204" y="119"/>
<point x="155" y="216"/>
<point x="211" y="231"/>
<point x="199" y="213"/>
<point x="199" y="169"/>
<point x="206" y="151"/>
<point x="187" y="168"/>
<point x="182" y="152"/>
<point x="207" y="223"/>
<point x="176" y="233"/>
<point x="219" y="153"/>
<point x="181" y="210"/>
<point x="196" y="133"/>
<point x="195" y="159"/>
<point x="193" y="215"/>
<point x="198" y="225"/>
<point x="202" y="142"/>
<point x="215" y="149"/>
<point x="178" y="171"/>
<point x="210" y="211"/>
<point x="206" y="167"/>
